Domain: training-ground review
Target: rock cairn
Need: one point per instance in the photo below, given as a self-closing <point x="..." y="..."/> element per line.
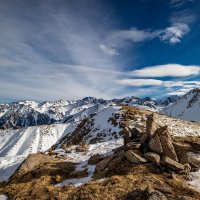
<point x="155" y="145"/>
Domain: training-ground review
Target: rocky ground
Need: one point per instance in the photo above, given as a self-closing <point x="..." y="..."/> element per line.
<point x="154" y="163"/>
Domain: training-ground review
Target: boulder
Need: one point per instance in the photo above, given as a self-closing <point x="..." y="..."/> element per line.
<point x="94" y="159"/>
<point x="135" y="157"/>
<point x="153" y="157"/>
<point x="172" y="164"/>
<point x="155" y="144"/>
<point x="151" y="125"/>
<point x="167" y="144"/>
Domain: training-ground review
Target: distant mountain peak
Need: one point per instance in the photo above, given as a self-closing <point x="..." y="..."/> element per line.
<point x="186" y="107"/>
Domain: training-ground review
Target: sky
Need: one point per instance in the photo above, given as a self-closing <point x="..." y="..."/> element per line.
<point x="69" y="49"/>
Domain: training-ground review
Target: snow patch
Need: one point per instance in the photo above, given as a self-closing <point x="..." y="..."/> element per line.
<point x="3" y="197"/>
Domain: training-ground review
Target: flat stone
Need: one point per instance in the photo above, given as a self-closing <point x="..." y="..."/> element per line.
<point x="155" y="144"/>
<point x="172" y="164"/>
<point x="153" y="157"/>
<point x="135" y="157"/>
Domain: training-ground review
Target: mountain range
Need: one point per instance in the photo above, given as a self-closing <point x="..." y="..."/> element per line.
<point x="65" y="129"/>
<point x="30" y="113"/>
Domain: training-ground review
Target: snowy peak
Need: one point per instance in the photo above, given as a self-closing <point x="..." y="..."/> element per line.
<point x="186" y="107"/>
<point x="165" y="101"/>
<point x="31" y="113"/>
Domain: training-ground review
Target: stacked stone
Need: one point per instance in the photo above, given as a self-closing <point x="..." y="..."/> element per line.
<point x="155" y="145"/>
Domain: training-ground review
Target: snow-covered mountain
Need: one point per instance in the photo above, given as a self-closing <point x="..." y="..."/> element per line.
<point x="16" y="145"/>
<point x="186" y="107"/>
<point x="165" y="101"/>
<point x="31" y="113"/>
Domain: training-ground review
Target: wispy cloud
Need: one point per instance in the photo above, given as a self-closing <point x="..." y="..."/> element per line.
<point x="140" y="82"/>
<point x="108" y="50"/>
<point x="175" y="33"/>
<point x="52" y="51"/>
<point x="173" y="70"/>
<point x="121" y="38"/>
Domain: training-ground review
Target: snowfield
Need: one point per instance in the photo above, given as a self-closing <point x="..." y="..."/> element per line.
<point x="81" y="158"/>
<point x="16" y="145"/>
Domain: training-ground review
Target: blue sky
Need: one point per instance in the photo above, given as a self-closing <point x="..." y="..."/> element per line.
<point x="68" y="49"/>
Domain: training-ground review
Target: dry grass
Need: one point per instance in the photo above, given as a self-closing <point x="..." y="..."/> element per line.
<point x="120" y="180"/>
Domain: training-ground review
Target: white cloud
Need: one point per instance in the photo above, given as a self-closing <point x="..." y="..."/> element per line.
<point x="52" y="51"/>
<point x="175" y="33"/>
<point x="108" y="50"/>
<point x="121" y="38"/>
<point x="63" y="59"/>
<point x="140" y="82"/>
<point x="173" y="70"/>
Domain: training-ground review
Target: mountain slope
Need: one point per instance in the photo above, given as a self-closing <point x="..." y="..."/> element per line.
<point x="165" y="101"/>
<point x="186" y="107"/>
<point x="15" y="145"/>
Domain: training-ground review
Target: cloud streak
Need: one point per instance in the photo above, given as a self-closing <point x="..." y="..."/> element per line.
<point x="173" y="70"/>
